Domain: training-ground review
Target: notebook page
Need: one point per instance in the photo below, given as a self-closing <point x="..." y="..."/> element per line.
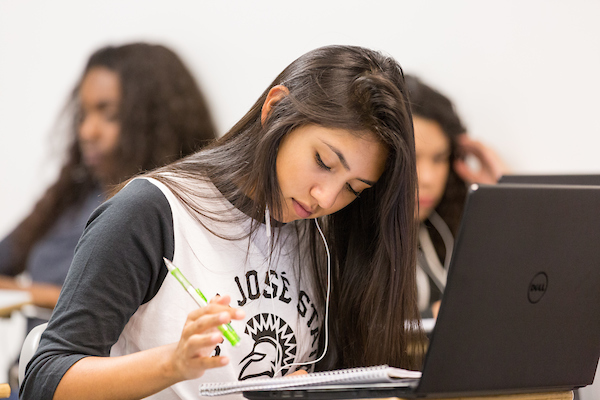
<point x="351" y="376"/>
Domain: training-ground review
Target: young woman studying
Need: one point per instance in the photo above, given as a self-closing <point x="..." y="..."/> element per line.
<point x="300" y="225"/>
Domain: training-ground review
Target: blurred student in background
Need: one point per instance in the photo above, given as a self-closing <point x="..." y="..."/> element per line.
<point x="442" y="147"/>
<point x="135" y="107"/>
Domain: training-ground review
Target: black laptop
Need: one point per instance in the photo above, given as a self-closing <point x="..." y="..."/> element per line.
<point x="521" y="309"/>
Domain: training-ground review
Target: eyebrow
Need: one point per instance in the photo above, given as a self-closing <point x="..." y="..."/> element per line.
<point x="104" y="104"/>
<point x="345" y="163"/>
<point x="101" y="105"/>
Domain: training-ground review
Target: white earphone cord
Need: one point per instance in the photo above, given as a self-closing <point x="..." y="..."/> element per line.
<point x="326" y="306"/>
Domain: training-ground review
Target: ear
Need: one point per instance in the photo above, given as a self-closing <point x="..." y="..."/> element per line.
<point x="275" y="94"/>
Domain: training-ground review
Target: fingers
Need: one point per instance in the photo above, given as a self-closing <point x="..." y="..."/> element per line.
<point x="464" y="171"/>
<point x="200" y="336"/>
<point x="207" y="319"/>
<point x="211" y="362"/>
<point x="201" y="344"/>
<point x="225" y="299"/>
<point x="491" y="166"/>
<point x="472" y="147"/>
<point x="192" y="356"/>
<point x="467" y="174"/>
<point x="217" y="304"/>
<point x="299" y="372"/>
<point x="205" y="323"/>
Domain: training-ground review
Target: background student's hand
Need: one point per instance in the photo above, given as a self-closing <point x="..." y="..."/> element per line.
<point x="200" y="336"/>
<point x="435" y="308"/>
<point x="42" y="294"/>
<point x="299" y="372"/>
<point x="491" y="166"/>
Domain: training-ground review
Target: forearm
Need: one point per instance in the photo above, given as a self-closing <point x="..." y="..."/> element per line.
<point x="133" y="376"/>
<point x="42" y="294"/>
<point x="147" y="372"/>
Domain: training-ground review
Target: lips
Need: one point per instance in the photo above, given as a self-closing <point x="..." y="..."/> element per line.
<point x="425" y="202"/>
<point x="301" y="210"/>
<point x="92" y="156"/>
<point x="92" y="159"/>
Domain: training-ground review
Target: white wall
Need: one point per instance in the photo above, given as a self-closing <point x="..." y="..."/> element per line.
<point x="523" y="73"/>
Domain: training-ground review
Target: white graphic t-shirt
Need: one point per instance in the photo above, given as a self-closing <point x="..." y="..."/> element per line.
<point x="121" y="251"/>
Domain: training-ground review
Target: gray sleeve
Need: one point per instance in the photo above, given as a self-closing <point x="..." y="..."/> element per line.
<point x="117" y="267"/>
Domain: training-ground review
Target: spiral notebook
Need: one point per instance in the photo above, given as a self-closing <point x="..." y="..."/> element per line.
<point x="350" y="377"/>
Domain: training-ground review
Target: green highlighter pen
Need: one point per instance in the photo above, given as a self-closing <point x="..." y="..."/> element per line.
<point x="199" y="298"/>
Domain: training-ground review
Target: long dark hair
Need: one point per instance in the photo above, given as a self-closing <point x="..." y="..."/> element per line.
<point x="373" y="315"/>
<point x="163" y="116"/>
<point x="428" y="103"/>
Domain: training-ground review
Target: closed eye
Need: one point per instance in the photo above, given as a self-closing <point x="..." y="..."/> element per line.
<point x="320" y="162"/>
<point x="322" y="165"/>
<point x="441" y="158"/>
<point x="354" y="192"/>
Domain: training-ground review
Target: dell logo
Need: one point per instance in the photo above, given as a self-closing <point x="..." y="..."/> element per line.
<point x="537" y="287"/>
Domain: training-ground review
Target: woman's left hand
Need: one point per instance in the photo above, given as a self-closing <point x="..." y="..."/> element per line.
<point x="491" y="165"/>
<point x="299" y="372"/>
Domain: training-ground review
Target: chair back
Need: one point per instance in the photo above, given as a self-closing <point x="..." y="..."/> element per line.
<point x="32" y="340"/>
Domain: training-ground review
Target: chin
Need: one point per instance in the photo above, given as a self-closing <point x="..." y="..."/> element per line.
<point x="424" y="216"/>
<point x="287" y="220"/>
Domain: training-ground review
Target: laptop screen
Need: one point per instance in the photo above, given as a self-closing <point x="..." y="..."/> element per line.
<point x="521" y="310"/>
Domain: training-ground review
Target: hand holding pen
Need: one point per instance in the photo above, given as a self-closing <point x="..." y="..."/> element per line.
<point x="201" y="333"/>
<point x="199" y="298"/>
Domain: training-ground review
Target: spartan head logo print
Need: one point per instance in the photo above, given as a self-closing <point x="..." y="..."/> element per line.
<point x="274" y="347"/>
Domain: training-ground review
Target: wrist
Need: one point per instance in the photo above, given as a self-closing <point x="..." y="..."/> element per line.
<point x="168" y="366"/>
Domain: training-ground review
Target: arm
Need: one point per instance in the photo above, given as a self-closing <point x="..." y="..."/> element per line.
<point x="117" y="267"/>
<point x="42" y="294"/>
<point x="49" y="258"/>
<point x="147" y="372"/>
<point x="491" y="165"/>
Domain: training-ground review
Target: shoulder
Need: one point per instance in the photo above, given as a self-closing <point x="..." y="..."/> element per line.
<point x="140" y="200"/>
<point x="140" y="192"/>
<point x="138" y="217"/>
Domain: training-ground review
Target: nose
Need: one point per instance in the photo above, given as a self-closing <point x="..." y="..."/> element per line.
<point x="326" y="194"/>
<point x="89" y="128"/>
<point x="424" y="173"/>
